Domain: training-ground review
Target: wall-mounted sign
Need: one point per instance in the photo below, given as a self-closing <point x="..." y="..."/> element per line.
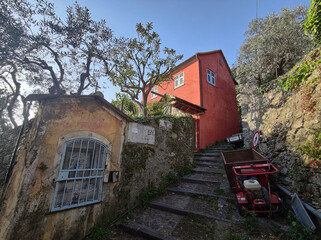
<point x="255" y="140"/>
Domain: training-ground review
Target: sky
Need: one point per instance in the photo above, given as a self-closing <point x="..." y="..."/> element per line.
<point x="188" y="26"/>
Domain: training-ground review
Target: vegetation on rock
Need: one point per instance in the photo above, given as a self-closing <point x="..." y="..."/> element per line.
<point x="301" y="71"/>
<point x="312" y="24"/>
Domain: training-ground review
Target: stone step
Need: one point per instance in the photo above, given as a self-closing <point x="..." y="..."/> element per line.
<point x="208" y="154"/>
<point x="206" y="172"/>
<point x="152" y="223"/>
<point x="218" y="169"/>
<point x="193" y="193"/>
<point x="215" y="150"/>
<point x="198" y="180"/>
<point x="208" y="164"/>
<point x="206" y="188"/>
<point x="136" y="232"/>
<point x="184" y="212"/>
<point x="214" y="177"/>
<point x="208" y="159"/>
<point x="220" y="148"/>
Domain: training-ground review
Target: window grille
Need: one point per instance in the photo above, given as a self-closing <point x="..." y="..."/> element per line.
<point x="179" y="80"/>
<point x="211" y="77"/>
<point x="152" y="95"/>
<point x="81" y="174"/>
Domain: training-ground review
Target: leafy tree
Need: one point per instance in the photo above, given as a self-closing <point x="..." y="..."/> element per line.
<point x="48" y="54"/>
<point x="312" y="24"/>
<point x="141" y="65"/>
<point x="124" y="103"/>
<point x="272" y="46"/>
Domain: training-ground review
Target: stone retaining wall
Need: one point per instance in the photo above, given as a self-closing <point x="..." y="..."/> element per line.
<point x="285" y="124"/>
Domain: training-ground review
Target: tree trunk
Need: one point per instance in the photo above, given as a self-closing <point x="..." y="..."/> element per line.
<point x="145" y="96"/>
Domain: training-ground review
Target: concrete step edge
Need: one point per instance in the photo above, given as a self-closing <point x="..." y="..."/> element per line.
<point x="189" y="193"/>
<point x="208" y="165"/>
<point x="139" y="231"/>
<point x="201" y="181"/>
<point x="208" y="160"/>
<point x="184" y="212"/>
<point x="207" y="172"/>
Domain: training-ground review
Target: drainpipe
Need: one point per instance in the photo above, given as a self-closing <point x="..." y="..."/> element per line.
<point x="307" y="206"/>
<point x="11" y="162"/>
<point x="201" y="84"/>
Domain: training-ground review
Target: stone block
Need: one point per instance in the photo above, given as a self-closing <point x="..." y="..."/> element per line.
<point x="138" y="133"/>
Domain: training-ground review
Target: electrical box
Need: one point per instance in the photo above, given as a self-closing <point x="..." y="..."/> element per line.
<point x="113" y="176"/>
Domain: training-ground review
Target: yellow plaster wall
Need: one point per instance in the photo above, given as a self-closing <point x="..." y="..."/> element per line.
<point x="31" y="190"/>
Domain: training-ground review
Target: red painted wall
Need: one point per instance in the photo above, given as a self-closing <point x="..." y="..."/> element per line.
<point x="221" y="117"/>
<point x="190" y="91"/>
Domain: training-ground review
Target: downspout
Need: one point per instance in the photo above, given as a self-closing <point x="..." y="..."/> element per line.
<point x="201" y="84"/>
<point x="307" y="206"/>
<point x="198" y="137"/>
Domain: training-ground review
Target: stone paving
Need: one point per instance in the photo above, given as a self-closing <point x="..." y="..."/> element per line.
<point x="201" y="206"/>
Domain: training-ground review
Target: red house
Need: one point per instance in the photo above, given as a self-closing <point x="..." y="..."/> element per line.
<point x="205" y="80"/>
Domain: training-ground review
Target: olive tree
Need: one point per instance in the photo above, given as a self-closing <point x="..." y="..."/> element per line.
<point x="48" y="54"/>
<point x="272" y="45"/>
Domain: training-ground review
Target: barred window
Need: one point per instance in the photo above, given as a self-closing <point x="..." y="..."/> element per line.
<point x="81" y="174"/>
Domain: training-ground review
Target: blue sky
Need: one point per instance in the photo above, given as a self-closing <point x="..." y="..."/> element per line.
<point x="188" y="26"/>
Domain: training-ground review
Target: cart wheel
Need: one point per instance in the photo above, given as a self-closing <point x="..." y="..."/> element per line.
<point x="240" y="210"/>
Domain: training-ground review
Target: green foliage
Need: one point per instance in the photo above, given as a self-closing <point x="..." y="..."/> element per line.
<point x="44" y="53"/>
<point x="151" y="192"/>
<point x="312" y="149"/>
<point x="126" y="105"/>
<point x="298" y="75"/>
<point x="156" y="109"/>
<point x="250" y="222"/>
<point x="103" y="229"/>
<point x="100" y="233"/>
<point x="312" y="23"/>
<point x="187" y="169"/>
<point x="232" y="236"/>
<point x="170" y="179"/>
<point x="273" y="45"/>
<point x="298" y="232"/>
<point x="141" y="64"/>
<point x="148" y="194"/>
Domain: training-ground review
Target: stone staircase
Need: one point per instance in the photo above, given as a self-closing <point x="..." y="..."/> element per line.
<point x="200" y="206"/>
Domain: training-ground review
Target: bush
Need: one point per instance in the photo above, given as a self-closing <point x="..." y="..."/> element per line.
<point x="312" y="24"/>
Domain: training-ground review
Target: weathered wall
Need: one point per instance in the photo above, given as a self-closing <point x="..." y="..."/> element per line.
<point x="26" y="209"/>
<point x="143" y="165"/>
<point x="7" y="143"/>
<point x="286" y="123"/>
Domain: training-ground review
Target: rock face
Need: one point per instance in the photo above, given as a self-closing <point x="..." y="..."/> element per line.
<point x="286" y="121"/>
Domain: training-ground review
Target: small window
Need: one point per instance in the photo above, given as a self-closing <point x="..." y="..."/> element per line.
<point x="211" y="77"/>
<point x="152" y="95"/>
<point x="81" y="172"/>
<point x="179" y="80"/>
